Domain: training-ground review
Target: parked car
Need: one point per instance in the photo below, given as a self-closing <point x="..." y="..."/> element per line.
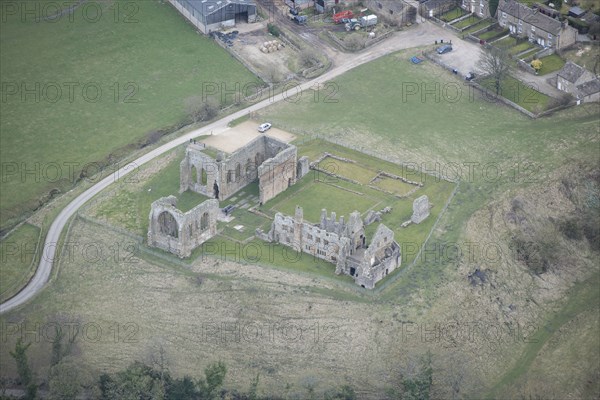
<point x="264" y="127"/>
<point x="470" y="76"/>
<point x="444" y="49"/>
<point x="294" y="11"/>
<point x="300" y="19"/>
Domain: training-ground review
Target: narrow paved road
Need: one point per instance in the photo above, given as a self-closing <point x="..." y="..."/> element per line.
<point x="424" y="33"/>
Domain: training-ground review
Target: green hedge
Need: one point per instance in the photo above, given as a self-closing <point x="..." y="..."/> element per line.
<point x="581" y="26"/>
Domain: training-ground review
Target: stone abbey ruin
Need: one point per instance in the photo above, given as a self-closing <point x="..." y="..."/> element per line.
<point x="275" y="165"/>
<point x="271" y="161"/>
<point x="178" y="232"/>
<point x="342" y="243"/>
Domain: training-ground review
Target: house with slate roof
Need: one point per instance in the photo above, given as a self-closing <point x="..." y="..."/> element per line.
<point x="578" y="81"/>
<point x="542" y="29"/>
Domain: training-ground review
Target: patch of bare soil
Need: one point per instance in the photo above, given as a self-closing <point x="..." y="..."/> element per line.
<point x="236" y="137"/>
<point x="274" y="66"/>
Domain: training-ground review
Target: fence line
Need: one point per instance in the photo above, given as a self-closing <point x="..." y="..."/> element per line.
<point x="484" y="90"/>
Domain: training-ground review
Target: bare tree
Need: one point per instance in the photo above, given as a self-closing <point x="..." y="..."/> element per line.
<point x="200" y="109"/>
<point x="496" y="63"/>
<point x="272" y="73"/>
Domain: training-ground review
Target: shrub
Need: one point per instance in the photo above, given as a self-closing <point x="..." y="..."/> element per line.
<point x="581" y="26"/>
<point x="591" y="228"/>
<point x="571" y="229"/>
<point x="308" y="58"/>
<point x="355" y="41"/>
<point x="199" y="110"/>
<point x="273" y="30"/>
<point x="537" y="254"/>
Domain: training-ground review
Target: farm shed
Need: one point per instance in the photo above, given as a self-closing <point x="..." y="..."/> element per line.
<point x="212" y="15"/>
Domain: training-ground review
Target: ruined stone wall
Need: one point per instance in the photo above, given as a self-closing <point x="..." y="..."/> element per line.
<point x="381" y="258"/>
<point x="303" y="167"/>
<point x="241" y="167"/>
<point x="329" y="241"/>
<point x="353" y="229"/>
<point x="180" y="233"/>
<point x="325" y="245"/>
<point x="271" y="161"/>
<point x="198" y="172"/>
<point x="277" y="173"/>
<point x="310" y="239"/>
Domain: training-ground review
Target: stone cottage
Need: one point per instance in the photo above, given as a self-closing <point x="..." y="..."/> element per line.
<point x="523" y="21"/>
<point x="579" y="82"/>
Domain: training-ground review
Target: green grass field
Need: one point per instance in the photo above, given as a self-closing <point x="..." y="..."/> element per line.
<point x="480" y="25"/>
<point x="472" y="20"/>
<point x="522" y="47"/>
<point x="530" y="53"/>
<point x="453" y="14"/>
<point x="493" y="34"/>
<point x="550" y="64"/>
<point x="506" y="42"/>
<point x="131" y="206"/>
<point x="519" y="93"/>
<point x="144" y="69"/>
<point x="17" y="252"/>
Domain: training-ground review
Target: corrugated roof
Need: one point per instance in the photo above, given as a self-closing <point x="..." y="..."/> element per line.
<point x="208" y="7"/>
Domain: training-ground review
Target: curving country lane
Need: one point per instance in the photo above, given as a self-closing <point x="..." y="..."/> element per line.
<point x="422" y="34"/>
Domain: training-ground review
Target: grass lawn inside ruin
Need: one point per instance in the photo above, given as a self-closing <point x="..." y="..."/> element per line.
<point x="140" y="61"/>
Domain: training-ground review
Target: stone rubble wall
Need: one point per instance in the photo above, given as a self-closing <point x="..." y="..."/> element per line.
<point x="193" y="227"/>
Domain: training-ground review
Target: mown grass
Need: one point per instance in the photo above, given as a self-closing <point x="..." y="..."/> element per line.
<point x="480" y="25"/>
<point x="313" y="196"/>
<point x="522" y="47"/>
<point x="453" y="14"/>
<point x="550" y="64"/>
<point x="519" y="93"/>
<point x="529" y="54"/>
<point x="506" y="42"/>
<point x="472" y="20"/>
<point x="130" y="207"/>
<point x="158" y="60"/>
<point x="493" y="34"/>
<point x="17" y="251"/>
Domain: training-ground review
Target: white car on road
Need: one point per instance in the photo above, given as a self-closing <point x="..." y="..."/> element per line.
<point x="264" y="127"/>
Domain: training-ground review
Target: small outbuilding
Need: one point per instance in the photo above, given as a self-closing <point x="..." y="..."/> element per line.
<point x="576" y="12"/>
